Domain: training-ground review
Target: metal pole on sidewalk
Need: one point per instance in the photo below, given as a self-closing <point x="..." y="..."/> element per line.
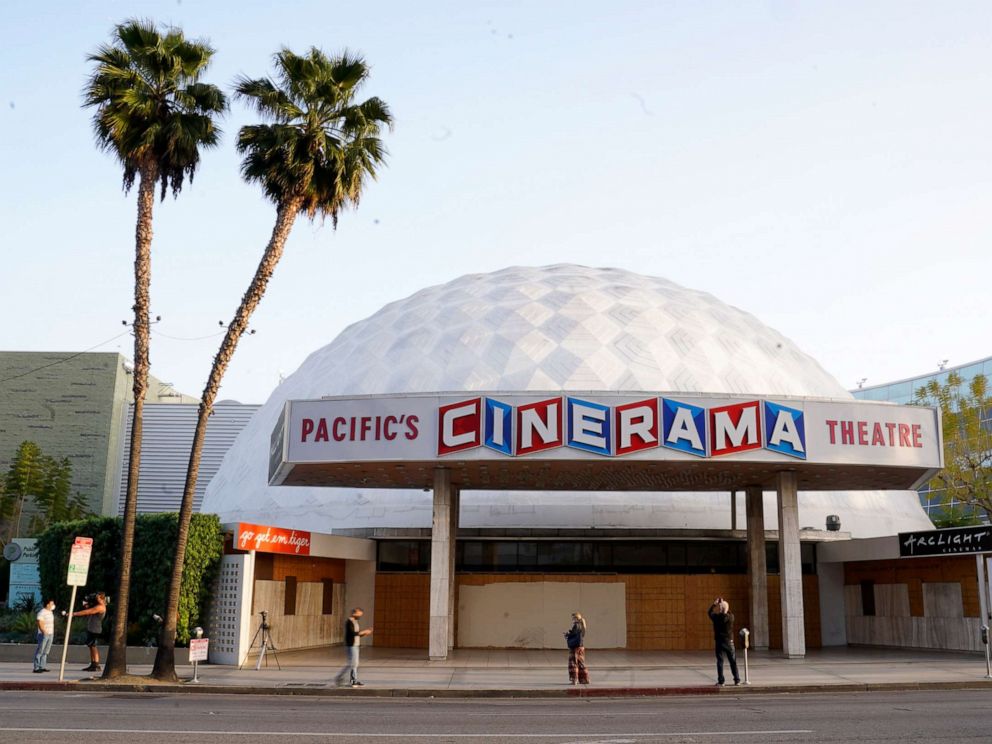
<point x="988" y="660"/>
<point x="746" y="635"/>
<point x="68" y="630"/>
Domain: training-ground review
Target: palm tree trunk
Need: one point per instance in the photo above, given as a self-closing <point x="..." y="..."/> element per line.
<point x="116" y="665"/>
<point x="165" y="658"/>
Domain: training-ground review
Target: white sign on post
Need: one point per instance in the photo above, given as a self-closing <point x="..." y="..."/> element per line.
<point x="79" y="567"/>
<point x="198" y="649"/>
<point x="79" y="561"/>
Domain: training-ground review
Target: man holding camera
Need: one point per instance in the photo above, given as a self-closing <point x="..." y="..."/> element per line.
<point x="353" y="635"/>
<point x="96" y="610"/>
<point x="723" y="636"/>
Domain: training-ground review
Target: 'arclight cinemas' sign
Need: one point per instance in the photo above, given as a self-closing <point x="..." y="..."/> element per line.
<point x="953" y="541"/>
<point x="603" y="426"/>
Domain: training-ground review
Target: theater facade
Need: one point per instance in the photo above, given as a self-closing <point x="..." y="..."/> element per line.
<point x="473" y="463"/>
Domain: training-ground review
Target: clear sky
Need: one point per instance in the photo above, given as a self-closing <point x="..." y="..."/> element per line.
<point x="825" y="166"/>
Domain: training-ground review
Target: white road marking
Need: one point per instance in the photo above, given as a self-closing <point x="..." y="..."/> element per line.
<point x="585" y="738"/>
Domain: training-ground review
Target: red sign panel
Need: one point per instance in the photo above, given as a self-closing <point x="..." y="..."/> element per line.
<point x="267" y="539"/>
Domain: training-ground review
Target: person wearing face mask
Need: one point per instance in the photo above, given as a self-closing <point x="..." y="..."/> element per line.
<point x="46" y="633"/>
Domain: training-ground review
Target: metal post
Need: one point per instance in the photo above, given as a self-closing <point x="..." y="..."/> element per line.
<point x="746" y="635"/>
<point x="68" y="630"/>
<point x="988" y="660"/>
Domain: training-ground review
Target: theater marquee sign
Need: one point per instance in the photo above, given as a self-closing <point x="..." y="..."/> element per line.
<point x="639" y="441"/>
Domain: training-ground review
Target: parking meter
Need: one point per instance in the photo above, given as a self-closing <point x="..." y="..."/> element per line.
<point x="746" y="641"/>
<point x="197" y="633"/>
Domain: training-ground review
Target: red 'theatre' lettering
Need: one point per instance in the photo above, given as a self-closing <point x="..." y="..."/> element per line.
<point x="857" y="433"/>
<point x="904" y="436"/>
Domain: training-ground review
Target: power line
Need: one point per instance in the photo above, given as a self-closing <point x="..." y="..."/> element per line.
<point x="181" y="338"/>
<point x="63" y="361"/>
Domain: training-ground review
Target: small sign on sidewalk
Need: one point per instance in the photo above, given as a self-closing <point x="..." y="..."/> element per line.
<point x="198" y="649"/>
<point x="79" y="561"/>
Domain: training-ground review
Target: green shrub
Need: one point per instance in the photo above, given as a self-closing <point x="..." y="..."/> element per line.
<point x="151" y="568"/>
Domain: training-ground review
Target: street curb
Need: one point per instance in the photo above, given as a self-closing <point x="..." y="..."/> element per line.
<point x="567" y="692"/>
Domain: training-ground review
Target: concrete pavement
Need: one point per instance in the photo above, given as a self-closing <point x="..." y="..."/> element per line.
<point x="542" y="673"/>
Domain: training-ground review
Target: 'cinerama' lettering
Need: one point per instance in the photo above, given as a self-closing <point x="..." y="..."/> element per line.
<point x="619" y="430"/>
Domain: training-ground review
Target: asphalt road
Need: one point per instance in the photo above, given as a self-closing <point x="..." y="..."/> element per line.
<point x="939" y="716"/>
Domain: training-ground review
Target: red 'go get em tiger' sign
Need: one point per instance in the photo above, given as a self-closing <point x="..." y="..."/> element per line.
<point x="267" y="539"/>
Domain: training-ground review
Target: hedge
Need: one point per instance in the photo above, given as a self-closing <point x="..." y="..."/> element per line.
<point x="151" y="568"/>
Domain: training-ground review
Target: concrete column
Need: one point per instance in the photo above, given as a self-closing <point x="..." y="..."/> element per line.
<point x="790" y="569"/>
<point x="441" y="540"/>
<point x="757" y="567"/>
<point x="456" y="501"/>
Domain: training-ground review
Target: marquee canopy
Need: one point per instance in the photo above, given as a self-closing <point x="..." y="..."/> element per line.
<point x="590" y="441"/>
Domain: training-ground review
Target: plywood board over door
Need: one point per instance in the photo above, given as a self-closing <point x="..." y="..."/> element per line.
<point x="535" y="614"/>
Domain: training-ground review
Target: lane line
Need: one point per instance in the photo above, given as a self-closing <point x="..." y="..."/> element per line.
<point x="314" y="734"/>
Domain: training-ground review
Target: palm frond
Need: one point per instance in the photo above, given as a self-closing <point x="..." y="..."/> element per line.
<point x="150" y="105"/>
<point x="319" y="147"/>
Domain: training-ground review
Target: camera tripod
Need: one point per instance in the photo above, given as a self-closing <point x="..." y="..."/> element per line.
<point x="265" y="645"/>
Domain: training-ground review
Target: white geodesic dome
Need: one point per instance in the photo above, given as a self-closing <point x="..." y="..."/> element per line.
<point x="560" y="327"/>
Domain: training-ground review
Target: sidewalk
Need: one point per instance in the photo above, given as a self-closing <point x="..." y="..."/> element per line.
<point x="542" y="673"/>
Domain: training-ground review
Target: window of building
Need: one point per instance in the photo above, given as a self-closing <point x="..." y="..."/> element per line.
<point x="588" y="556"/>
<point x="404" y="555"/>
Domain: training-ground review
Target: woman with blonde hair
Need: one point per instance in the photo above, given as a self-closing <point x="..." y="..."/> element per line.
<point x="575" y="637"/>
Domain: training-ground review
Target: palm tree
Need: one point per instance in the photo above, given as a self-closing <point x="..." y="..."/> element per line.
<point x="153" y="114"/>
<point x="313" y="157"/>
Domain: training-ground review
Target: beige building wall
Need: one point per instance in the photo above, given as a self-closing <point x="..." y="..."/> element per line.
<point x="930" y="602"/>
<point x="659" y="611"/>
<point x="536" y="614"/>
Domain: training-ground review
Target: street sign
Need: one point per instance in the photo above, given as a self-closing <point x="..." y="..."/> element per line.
<point x="198" y="649"/>
<point x="79" y="567"/>
<point x="79" y="561"/>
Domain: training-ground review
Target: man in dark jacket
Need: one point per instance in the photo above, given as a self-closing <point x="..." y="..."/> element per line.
<point x="353" y="635"/>
<point x="723" y="636"/>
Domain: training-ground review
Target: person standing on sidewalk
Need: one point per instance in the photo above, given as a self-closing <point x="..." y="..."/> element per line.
<point x="353" y="635"/>
<point x="575" y="637"/>
<point x="94" y="628"/>
<point x="46" y="632"/>
<point x="723" y="636"/>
